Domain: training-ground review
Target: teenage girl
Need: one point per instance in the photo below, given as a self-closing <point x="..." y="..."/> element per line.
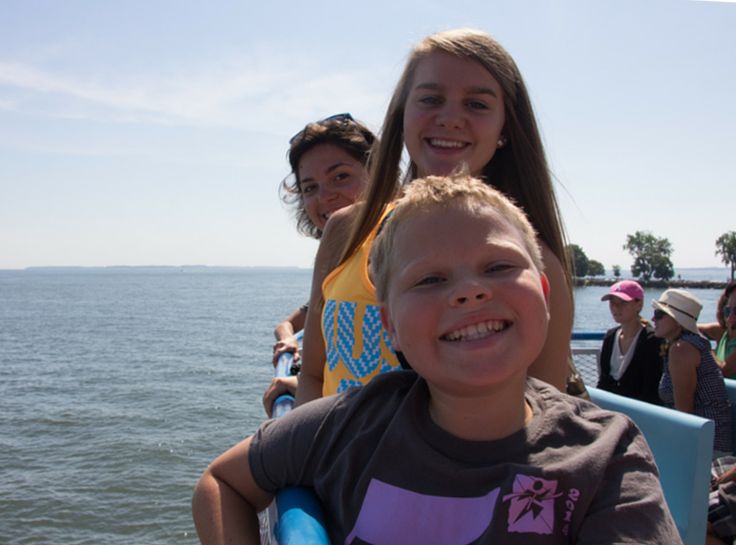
<point x="460" y="103"/>
<point x="328" y="172"/>
<point x="724" y="330"/>
<point x="630" y="361"/>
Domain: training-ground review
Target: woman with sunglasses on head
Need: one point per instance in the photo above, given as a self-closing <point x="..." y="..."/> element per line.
<point x="724" y="330"/>
<point x="328" y="172"/>
<point x="692" y="381"/>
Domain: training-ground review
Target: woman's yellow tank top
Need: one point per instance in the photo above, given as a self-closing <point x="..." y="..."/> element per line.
<point x="356" y="344"/>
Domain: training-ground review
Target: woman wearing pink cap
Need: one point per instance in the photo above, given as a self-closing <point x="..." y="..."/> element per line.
<point x="630" y="362"/>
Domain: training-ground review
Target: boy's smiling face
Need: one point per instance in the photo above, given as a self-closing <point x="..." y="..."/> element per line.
<point x="465" y="304"/>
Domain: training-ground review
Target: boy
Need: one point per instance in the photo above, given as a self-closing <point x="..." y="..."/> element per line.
<point x="465" y="450"/>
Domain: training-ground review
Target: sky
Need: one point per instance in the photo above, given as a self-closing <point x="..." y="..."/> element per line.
<point x="155" y="132"/>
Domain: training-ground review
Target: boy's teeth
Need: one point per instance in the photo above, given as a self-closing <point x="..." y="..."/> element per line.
<point x="446" y="143"/>
<point x="475" y="331"/>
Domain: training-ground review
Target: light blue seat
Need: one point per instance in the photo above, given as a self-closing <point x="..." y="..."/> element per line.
<point x="682" y="445"/>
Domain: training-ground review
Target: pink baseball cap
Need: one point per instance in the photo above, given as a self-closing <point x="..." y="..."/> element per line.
<point x="626" y="290"/>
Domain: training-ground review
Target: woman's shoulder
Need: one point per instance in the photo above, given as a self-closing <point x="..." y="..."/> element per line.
<point x="696" y="340"/>
<point x="341" y="220"/>
<point x="683" y="348"/>
<point x="335" y="237"/>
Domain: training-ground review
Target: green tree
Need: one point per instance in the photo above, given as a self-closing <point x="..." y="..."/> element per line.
<point x="579" y="260"/>
<point x="726" y="248"/>
<point x="617" y="271"/>
<point x="651" y="256"/>
<point x="595" y="268"/>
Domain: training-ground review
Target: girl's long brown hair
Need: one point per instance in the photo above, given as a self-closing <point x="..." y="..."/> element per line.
<point x="519" y="169"/>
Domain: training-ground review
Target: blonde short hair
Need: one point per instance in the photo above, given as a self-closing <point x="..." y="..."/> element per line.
<point x="439" y="193"/>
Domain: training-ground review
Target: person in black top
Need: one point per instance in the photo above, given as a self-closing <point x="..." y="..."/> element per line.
<point x="630" y="361"/>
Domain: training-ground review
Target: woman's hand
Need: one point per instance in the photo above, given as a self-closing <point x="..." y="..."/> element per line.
<point x="288" y="344"/>
<point x="278" y="386"/>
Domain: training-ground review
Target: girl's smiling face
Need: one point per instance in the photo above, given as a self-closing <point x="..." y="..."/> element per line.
<point x="329" y="179"/>
<point x="454" y="114"/>
<point x="465" y="302"/>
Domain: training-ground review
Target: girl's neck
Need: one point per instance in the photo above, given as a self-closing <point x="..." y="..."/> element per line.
<point x="631" y="328"/>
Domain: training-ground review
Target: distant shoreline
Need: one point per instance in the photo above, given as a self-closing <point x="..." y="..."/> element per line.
<point x="689" y="277"/>
<point x="672" y="283"/>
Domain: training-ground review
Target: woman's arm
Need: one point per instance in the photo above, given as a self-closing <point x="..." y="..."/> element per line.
<point x="711" y="330"/>
<point x="330" y="249"/>
<point x="284" y="333"/>
<point x="227" y="499"/>
<point x="552" y="364"/>
<point x="683" y="361"/>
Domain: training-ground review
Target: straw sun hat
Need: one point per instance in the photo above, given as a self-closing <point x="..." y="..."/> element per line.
<point x="681" y="306"/>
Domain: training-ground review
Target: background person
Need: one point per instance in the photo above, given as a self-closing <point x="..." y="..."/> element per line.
<point x="630" y="360"/>
<point x="692" y="381"/>
<point x="328" y="172"/>
<point x="723" y="331"/>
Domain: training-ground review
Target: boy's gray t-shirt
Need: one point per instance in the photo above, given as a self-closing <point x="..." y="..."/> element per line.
<point x="387" y="474"/>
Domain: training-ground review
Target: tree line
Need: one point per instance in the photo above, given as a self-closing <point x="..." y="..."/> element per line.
<point x="651" y="257"/>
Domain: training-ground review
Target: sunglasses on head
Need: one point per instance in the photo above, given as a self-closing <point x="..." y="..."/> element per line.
<point x="337" y="118"/>
<point x="659" y="314"/>
<point x="727" y="311"/>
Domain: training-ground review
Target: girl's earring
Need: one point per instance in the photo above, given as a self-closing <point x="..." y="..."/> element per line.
<point x="501" y="142"/>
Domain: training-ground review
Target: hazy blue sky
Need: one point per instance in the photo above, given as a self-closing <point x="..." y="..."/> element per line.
<point x="154" y="132"/>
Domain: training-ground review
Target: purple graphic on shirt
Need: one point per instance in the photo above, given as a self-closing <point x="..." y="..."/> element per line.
<point x="391" y="515"/>
<point x="532" y="508"/>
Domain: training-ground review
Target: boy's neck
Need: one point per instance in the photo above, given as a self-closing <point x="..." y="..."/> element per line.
<point x="485" y="417"/>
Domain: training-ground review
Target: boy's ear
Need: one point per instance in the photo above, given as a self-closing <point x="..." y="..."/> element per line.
<point x="545" y="286"/>
<point x="389" y="327"/>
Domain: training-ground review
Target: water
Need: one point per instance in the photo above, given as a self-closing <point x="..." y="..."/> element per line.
<point x="118" y="386"/>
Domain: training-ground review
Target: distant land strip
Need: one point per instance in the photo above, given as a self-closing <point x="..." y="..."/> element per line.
<point x="582" y="281"/>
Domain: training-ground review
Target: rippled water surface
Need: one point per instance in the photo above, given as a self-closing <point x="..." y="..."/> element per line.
<point x="117" y="386"/>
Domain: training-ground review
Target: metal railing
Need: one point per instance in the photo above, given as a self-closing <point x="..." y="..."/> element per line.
<point x="585" y="346"/>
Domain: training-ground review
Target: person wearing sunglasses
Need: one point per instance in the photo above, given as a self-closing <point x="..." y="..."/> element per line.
<point x="630" y="361"/>
<point x="328" y="161"/>
<point x="692" y="381"/>
<point x="723" y="331"/>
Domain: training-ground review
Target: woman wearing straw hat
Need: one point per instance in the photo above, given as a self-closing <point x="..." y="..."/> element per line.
<point x="692" y="381"/>
<point x="630" y="361"/>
